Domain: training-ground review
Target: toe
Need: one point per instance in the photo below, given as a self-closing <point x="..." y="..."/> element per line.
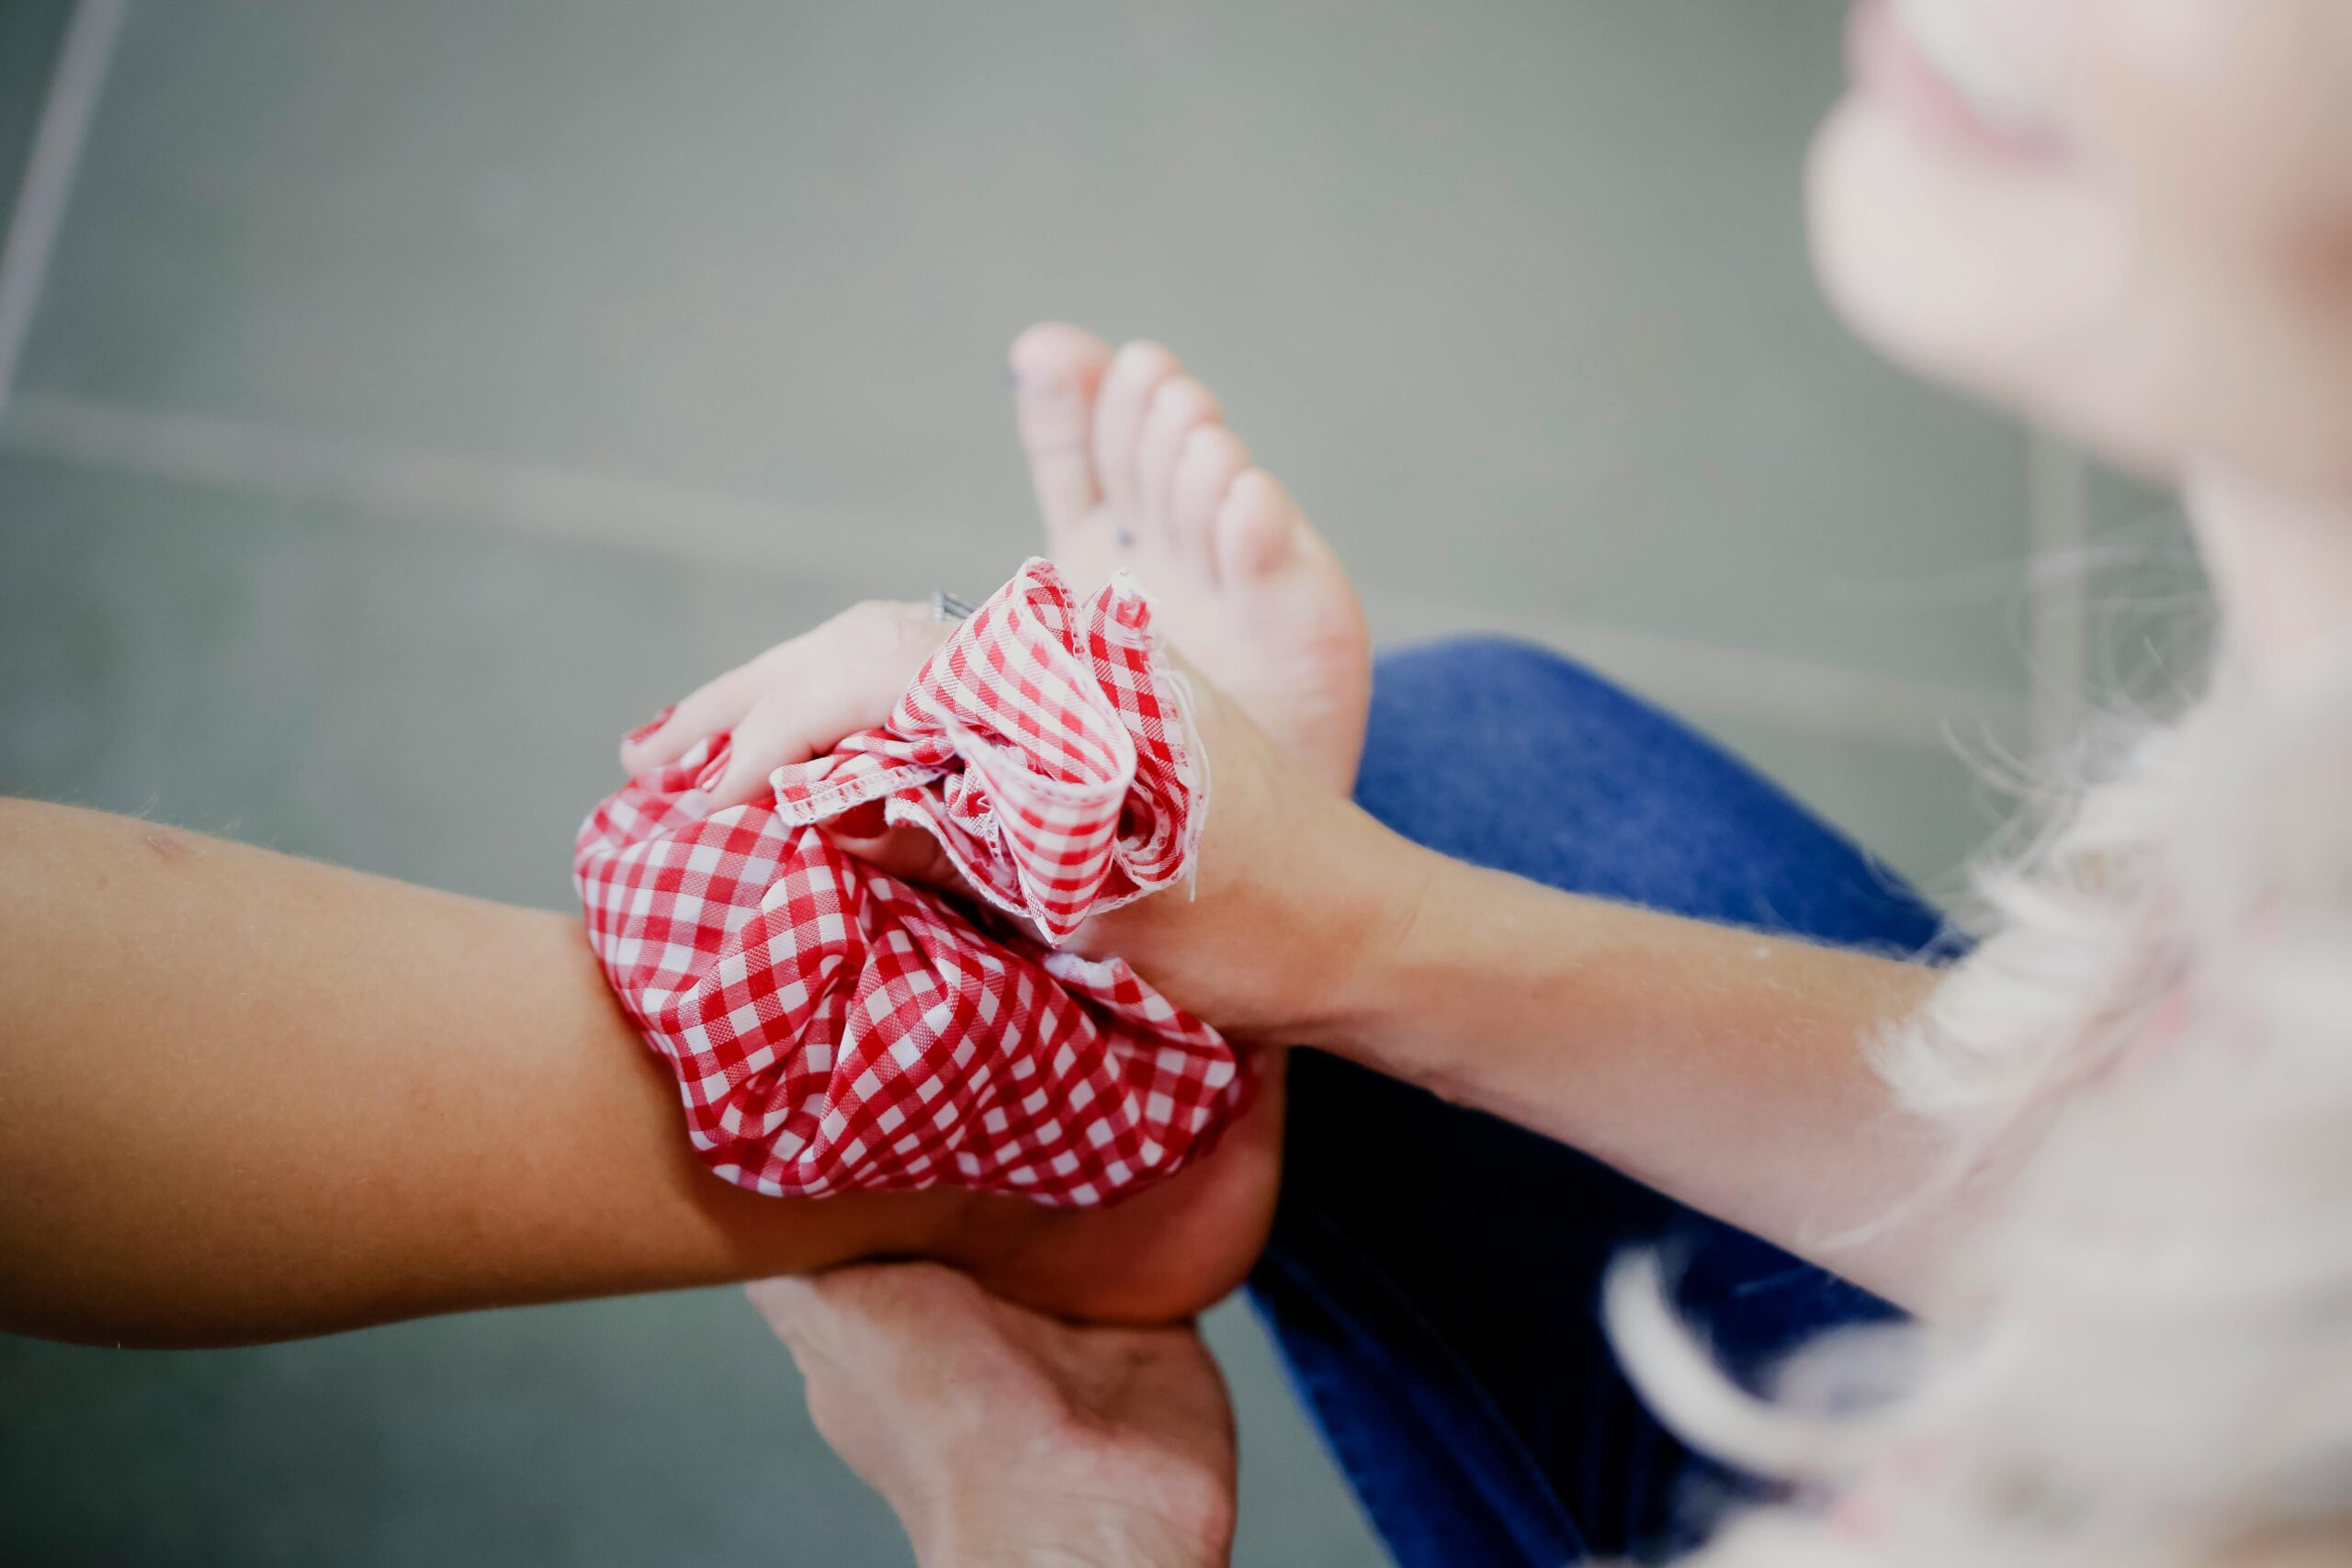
<point x="1181" y="407"/>
<point x="1128" y="389"/>
<point x="1057" y="372"/>
<point x="1257" y="528"/>
<point x="1211" y="459"/>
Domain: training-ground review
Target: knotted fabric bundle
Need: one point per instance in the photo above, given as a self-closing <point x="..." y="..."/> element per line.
<point x="835" y="1028"/>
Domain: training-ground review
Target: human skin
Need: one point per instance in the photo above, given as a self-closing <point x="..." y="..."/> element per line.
<point x="331" y="1099"/>
<point x="2162" y="268"/>
<point x="1007" y="1439"/>
<point x="246" y="1097"/>
<point x="1955" y="255"/>
<point x="2150" y="251"/>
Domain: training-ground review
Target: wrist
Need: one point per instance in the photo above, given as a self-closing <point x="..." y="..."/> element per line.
<point x="1379" y="914"/>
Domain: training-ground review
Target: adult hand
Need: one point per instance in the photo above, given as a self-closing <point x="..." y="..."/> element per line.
<point x="1001" y="1437"/>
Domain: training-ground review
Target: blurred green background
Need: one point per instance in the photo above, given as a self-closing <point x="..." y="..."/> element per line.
<point x="409" y="399"/>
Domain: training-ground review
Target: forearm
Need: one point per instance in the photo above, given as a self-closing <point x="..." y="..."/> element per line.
<point x="1728" y="1069"/>
<point x="246" y="1097"/>
<point x="1077" y="1532"/>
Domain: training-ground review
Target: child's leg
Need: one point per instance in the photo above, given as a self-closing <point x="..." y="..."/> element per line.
<point x="247" y="1096"/>
<point x="1442" y="1326"/>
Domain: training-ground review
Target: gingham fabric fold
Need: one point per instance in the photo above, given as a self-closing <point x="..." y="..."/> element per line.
<point x="834" y="1029"/>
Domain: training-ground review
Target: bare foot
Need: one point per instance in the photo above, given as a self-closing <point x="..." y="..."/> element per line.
<point x="1135" y="468"/>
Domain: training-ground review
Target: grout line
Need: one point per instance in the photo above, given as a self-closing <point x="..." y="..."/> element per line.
<point x="571" y="506"/>
<point x="2058" y="654"/>
<point x="49" y="169"/>
<point x="706" y="526"/>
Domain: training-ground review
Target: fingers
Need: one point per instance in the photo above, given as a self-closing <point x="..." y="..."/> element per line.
<point x="861" y="1364"/>
<point x="792" y="1307"/>
<point x="782" y="1301"/>
<point x="991" y="1429"/>
<point x="881" y="1292"/>
<point x="791" y="723"/>
<point x="869" y="1315"/>
<point x="795" y="701"/>
<point x="711" y="707"/>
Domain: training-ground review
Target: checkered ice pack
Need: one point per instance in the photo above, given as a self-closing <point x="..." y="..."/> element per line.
<point x="835" y="1028"/>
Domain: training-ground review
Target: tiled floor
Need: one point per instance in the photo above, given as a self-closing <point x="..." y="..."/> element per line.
<point x="423" y="393"/>
<point x="1519" y="303"/>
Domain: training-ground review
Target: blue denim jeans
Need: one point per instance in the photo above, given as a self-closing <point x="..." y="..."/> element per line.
<point x="1444" y="1333"/>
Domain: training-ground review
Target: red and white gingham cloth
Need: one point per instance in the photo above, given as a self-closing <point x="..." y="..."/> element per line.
<point x="835" y="1028"/>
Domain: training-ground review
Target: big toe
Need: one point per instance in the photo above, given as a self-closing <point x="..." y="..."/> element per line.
<point x="1057" y="373"/>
